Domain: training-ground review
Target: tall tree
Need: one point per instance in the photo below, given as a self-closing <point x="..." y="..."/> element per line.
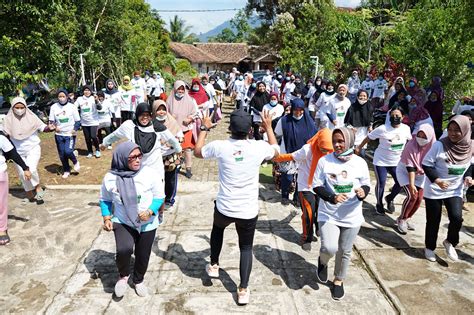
<point x="179" y="31"/>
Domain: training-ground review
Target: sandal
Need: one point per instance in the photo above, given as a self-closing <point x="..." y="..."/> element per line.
<point x="4" y="239"/>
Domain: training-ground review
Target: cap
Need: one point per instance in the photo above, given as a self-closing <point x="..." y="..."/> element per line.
<point x="240" y="121"/>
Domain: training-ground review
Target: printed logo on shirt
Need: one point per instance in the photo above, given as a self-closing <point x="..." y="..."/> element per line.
<point x="343" y="189"/>
<point x="396" y="147"/>
<point x="63" y="120"/>
<point x="238" y="156"/>
<point x="341" y="114"/>
<point x="457" y="171"/>
<point x="139" y="197"/>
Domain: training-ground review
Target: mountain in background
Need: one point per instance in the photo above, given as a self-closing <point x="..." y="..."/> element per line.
<point x="254" y="22"/>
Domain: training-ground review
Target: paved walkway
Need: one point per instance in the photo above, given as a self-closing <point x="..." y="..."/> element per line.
<point x="60" y="261"/>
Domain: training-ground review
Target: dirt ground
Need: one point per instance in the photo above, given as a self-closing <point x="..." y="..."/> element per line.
<point x="50" y="169"/>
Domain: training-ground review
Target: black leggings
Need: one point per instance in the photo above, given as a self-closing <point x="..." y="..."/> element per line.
<point x="126" y="115"/>
<point x="125" y="239"/>
<point x="90" y="135"/>
<point x="245" y="231"/>
<point x="433" y="218"/>
<point x="107" y="131"/>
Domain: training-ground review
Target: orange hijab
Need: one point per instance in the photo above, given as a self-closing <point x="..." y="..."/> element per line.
<point x="321" y="140"/>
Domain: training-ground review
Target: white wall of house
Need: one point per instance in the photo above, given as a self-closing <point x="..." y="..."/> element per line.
<point x="203" y="68"/>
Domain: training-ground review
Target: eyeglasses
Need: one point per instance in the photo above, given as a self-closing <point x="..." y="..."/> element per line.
<point x="135" y="157"/>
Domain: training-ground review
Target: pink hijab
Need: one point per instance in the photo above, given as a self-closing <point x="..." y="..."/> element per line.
<point x="413" y="154"/>
<point x="181" y="109"/>
<point x="21" y="127"/>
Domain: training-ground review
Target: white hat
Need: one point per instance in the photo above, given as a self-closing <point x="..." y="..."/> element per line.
<point x="17" y="100"/>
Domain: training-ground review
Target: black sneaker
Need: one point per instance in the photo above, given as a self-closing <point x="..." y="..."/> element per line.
<point x="379" y="210"/>
<point x="322" y="273"/>
<point x="390" y="206"/>
<point x="338" y="292"/>
<point x="285" y="201"/>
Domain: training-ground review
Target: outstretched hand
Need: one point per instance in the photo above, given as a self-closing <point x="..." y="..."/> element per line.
<point x="266" y="120"/>
<point x="207" y="120"/>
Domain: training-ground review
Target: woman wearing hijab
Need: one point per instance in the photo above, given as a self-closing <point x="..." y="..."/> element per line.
<point x="436" y="87"/>
<point x="274" y="108"/>
<point x="446" y="165"/>
<point x="419" y="115"/>
<point x="185" y="110"/>
<point x="8" y="152"/>
<point x="258" y="101"/>
<point x="65" y="120"/>
<point x="399" y="99"/>
<point x="393" y="136"/>
<point x="410" y="174"/>
<point x="323" y="100"/>
<point x="22" y="126"/>
<point x="342" y="182"/>
<point x="413" y="87"/>
<point x="149" y="135"/>
<point x="130" y="189"/>
<point x="398" y="85"/>
<point x="359" y="116"/>
<point x="435" y="107"/>
<point x="113" y="95"/>
<point x="307" y="158"/>
<point x="198" y="93"/>
<point x="128" y="99"/>
<point x="171" y="159"/>
<point x="295" y="129"/>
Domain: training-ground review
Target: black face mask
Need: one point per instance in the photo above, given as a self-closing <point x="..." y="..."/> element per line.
<point x="395" y="121"/>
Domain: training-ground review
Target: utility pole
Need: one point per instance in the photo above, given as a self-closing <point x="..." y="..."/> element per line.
<point x="83" y="76"/>
<point x="317" y="65"/>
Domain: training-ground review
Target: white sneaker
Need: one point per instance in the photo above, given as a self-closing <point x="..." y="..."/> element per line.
<point x="402" y="226"/>
<point x="77" y="167"/>
<point x="121" y="287"/>
<point x="212" y="270"/>
<point x="141" y="289"/>
<point x="109" y="147"/>
<point x="89" y="156"/>
<point x="243" y="296"/>
<point x="410" y="226"/>
<point x="66" y="175"/>
<point x="430" y="255"/>
<point x="450" y="250"/>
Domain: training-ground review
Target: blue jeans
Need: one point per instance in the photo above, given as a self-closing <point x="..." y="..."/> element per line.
<point x="65" y="146"/>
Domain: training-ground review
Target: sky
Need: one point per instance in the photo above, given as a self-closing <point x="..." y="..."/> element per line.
<point x="202" y="22"/>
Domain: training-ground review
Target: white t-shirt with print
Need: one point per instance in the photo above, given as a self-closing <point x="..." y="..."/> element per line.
<point x="453" y="174"/>
<point x="87" y="110"/>
<point x="140" y="89"/>
<point x="391" y="144"/>
<point x="274" y="111"/>
<point x="105" y="113"/>
<point x="239" y="164"/>
<point x="303" y="159"/>
<point x="403" y="177"/>
<point x="338" y="108"/>
<point x="211" y="93"/>
<point x="287" y="90"/>
<point x="380" y="86"/>
<point x="129" y="100"/>
<point x="5" y="146"/>
<point x="238" y="88"/>
<point x="342" y="177"/>
<point x="116" y="100"/>
<point x="367" y="86"/>
<point x="64" y="117"/>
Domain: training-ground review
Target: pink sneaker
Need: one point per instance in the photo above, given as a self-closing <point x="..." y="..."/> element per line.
<point x="212" y="270"/>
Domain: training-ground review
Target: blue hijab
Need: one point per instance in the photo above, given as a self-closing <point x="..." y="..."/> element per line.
<point x="297" y="132"/>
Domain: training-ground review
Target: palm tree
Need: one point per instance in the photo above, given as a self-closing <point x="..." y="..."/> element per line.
<point x="178" y="29"/>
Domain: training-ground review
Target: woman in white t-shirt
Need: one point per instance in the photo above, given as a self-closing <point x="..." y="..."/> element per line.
<point x="7" y="151"/>
<point x="410" y="174"/>
<point x="393" y="136"/>
<point x="342" y="182"/>
<point x="23" y="126"/>
<point x="448" y="166"/>
<point x="86" y="104"/>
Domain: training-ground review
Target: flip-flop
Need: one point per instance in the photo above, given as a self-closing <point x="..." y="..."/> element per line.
<point x="4" y="239"/>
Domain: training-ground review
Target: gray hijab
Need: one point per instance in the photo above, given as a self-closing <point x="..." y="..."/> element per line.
<point x="125" y="183"/>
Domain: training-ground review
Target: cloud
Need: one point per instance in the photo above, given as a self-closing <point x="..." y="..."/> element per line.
<point x="348" y="3"/>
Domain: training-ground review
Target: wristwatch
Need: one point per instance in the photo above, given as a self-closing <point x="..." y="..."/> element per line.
<point x="204" y="128"/>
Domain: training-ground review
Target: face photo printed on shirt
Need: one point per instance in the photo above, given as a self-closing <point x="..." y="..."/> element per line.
<point x="238" y="156"/>
<point x="341" y="182"/>
<point x="395" y="143"/>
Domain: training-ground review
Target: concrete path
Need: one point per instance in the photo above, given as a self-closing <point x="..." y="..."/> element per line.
<point x="61" y="262"/>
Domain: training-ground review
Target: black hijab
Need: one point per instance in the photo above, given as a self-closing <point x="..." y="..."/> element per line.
<point x="359" y="115"/>
<point x="144" y="138"/>
<point x="259" y="99"/>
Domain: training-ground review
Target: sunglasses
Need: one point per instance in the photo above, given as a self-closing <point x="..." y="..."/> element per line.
<point x="135" y="157"/>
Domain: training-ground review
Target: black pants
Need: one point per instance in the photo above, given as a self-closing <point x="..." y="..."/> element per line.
<point x="433" y="218"/>
<point x="309" y="207"/>
<point x="107" y="131"/>
<point x="126" y="238"/>
<point x="126" y="115"/>
<point x="256" y="132"/>
<point x="238" y="104"/>
<point x="245" y="231"/>
<point x="171" y="184"/>
<point x="90" y="135"/>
